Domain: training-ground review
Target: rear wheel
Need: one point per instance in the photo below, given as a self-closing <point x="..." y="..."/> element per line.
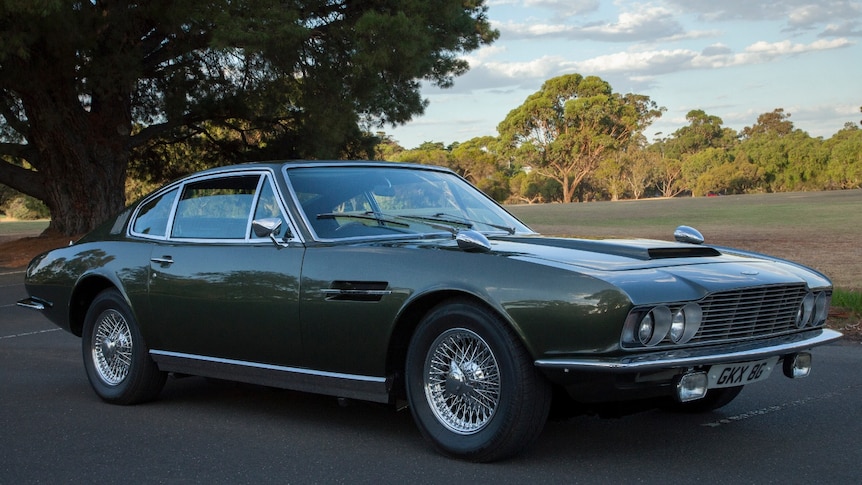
<point x="116" y="359"/>
<point x="473" y="389"/>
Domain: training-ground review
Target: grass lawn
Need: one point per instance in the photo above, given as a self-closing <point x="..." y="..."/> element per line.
<point x="14" y="228"/>
<point x="820" y="229"/>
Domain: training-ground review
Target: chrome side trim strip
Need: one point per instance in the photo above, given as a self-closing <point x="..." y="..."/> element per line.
<point x="682" y="358"/>
<point x="368" y="388"/>
<point x="330" y="292"/>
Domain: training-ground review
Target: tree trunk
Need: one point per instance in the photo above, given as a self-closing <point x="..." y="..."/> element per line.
<point x="92" y="189"/>
<point x="82" y="159"/>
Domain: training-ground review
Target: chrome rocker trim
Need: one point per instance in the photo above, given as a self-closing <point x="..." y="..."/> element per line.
<point x="695" y="357"/>
<point x="366" y="388"/>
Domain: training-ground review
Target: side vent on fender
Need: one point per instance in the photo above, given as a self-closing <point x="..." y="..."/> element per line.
<point x="356" y="290"/>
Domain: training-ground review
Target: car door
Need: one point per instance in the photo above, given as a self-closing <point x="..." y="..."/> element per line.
<point x="218" y="291"/>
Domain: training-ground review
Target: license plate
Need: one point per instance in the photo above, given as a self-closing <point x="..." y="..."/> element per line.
<point x="732" y="375"/>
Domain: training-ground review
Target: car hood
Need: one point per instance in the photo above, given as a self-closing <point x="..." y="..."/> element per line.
<point x="676" y="267"/>
<point x="611" y="254"/>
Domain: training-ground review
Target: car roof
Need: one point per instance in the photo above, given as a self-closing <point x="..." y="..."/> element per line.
<point x="277" y="165"/>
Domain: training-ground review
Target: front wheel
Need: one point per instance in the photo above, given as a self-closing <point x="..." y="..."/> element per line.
<point x="116" y="359"/>
<point x="472" y="388"/>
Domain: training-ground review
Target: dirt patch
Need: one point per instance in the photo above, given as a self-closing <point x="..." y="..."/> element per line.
<point x="17" y="253"/>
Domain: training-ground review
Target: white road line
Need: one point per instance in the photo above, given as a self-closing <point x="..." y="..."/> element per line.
<point x="773" y="409"/>
<point x="29" y="333"/>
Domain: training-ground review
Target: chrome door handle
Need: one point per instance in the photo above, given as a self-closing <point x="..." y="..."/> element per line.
<point x="164" y="260"/>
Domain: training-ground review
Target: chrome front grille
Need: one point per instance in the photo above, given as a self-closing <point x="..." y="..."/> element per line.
<point x="749" y="313"/>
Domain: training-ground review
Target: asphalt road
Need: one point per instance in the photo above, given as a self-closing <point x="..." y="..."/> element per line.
<point x="53" y="429"/>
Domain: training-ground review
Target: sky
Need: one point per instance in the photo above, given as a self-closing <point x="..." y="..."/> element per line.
<point x="735" y="59"/>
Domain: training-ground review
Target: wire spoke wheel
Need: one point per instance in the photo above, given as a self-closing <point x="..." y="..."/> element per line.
<point x="462" y="381"/>
<point x="116" y="358"/>
<point x="471" y="385"/>
<point x="112" y="347"/>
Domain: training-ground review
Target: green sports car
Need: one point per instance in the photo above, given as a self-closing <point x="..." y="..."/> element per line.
<point x="400" y="283"/>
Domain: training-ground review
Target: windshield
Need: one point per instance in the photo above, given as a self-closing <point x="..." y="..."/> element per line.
<point x="342" y="202"/>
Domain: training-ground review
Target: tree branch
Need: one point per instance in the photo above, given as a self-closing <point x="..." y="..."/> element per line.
<point x="22" y="180"/>
<point x="12" y="119"/>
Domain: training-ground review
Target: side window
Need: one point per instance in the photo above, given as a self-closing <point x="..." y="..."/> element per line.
<point x="267" y="206"/>
<point x="152" y="218"/>
<point x="217" y="208"/>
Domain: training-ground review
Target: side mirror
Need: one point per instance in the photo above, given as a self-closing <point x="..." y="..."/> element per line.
<point x="268" y="227"/>
<point x="472" y="241"/>
<point x="686" y="234"/>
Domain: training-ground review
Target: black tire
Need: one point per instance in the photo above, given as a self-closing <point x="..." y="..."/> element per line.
<point x="489" y="406"/>
<point x="116" y="359"/>
<point x="714" y="399"/>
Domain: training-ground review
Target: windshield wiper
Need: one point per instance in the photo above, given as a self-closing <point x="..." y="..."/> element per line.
<point x="428" y="221"/>
<point x="367" y="216"/>
<point x="444" y="217"/>
<point x="435" y="220"/>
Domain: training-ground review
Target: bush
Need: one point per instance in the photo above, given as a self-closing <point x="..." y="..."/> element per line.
<point x="24" y="207"/>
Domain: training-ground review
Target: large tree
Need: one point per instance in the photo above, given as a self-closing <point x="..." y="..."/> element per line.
<point x="573" y="122"/>
<point x="84" y="84"/>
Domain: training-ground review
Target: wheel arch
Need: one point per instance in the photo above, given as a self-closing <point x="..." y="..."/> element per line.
<point x="408" y="320"/>
<point x="82" y="297"/>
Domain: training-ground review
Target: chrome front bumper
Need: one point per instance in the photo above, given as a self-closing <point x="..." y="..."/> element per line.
<point x="694" y="357"/>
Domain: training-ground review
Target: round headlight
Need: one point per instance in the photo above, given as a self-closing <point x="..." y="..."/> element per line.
<point x="677" y="327"/>
<point x="686" y="322"/>
<point x="806" y="309"/>
<point x="654" y="326"/>
<point x="646" y="328"/>
<point x="821" y="308"/>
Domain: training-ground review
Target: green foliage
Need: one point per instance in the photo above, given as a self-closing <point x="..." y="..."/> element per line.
<point x="844" y="160"/>
<point x="848" y="299"/>
<point x="89" y="89"/>
<point x="571" y="124"/>
<point x="700" y="159"/>
<point x="534" y="188"/>
<point x="25" y="208"/>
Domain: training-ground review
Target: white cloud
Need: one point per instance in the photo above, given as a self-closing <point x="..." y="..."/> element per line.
<point x="560" y="8"/>
<point x="733" y="58"/>
<point x="799" y="14"/>
<point x="642" y="23"/>
<point x="843" y="29"/>
<point x="540" y="68"/>
<point x="652" y="62"/>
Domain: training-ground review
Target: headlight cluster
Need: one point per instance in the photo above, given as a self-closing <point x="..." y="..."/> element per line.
<point x="813" y="310"/>
<point x="653" y="325"/>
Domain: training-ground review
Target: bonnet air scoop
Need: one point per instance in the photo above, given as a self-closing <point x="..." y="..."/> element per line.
<point x="682" y="252"/>
<point x="647" y="250"/>
<point x="634" y="249"/>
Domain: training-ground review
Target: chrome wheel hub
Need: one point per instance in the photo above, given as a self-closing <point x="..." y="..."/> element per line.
<point x="462" y="381"/>
<point x="112" y="347"/>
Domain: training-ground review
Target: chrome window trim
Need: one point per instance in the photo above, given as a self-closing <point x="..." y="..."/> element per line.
<point x="286" y="167"/>
<point x="263" y="172"/>
<point x="159" y="193"/>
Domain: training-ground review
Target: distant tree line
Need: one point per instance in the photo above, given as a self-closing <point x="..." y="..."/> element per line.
<point x="575" y="139"/>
